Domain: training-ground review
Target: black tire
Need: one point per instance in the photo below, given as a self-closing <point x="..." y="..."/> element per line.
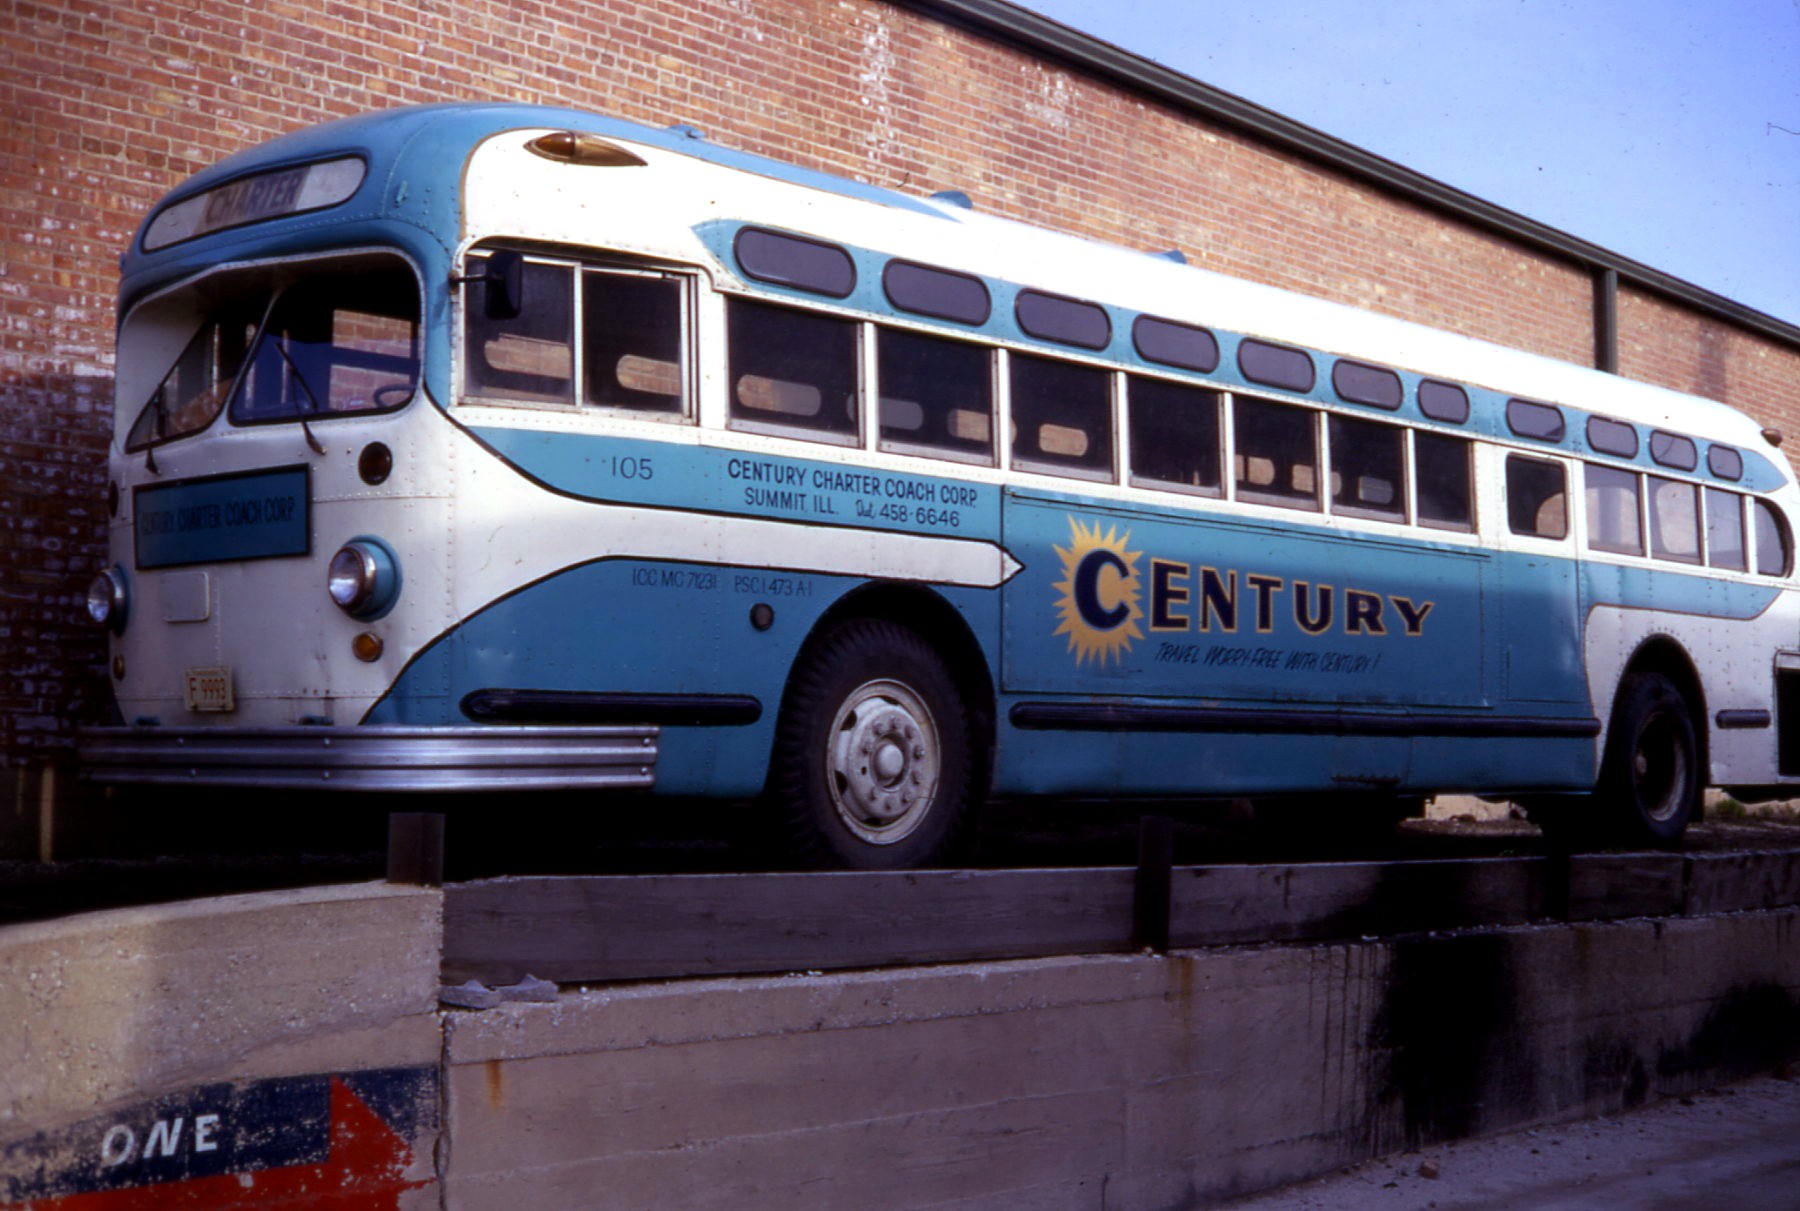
<point x="1650" y="777"/>
<point x="872" y="751"/>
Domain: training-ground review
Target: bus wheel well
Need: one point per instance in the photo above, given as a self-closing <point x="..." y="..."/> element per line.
<point x="938" y="623"/>
<point x="1661" y="654"/>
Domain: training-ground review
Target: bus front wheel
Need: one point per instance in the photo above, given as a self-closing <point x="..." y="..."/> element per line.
<point x="871" y="758"/>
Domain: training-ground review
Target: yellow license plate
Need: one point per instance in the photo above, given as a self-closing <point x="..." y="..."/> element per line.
<point x="209" y="689"/>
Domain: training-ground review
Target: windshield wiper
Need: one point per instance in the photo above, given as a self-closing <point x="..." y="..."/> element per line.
<point x="158" y="401"/>
<point x="312" y="400"/>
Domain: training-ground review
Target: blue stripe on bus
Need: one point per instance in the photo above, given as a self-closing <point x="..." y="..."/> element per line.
<point x="753" y="484"/>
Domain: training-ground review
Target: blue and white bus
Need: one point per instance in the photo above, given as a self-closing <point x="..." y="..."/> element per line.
<point x="492" y="446"/>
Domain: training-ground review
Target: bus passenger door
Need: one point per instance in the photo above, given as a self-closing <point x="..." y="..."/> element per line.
<point x="1540" y="603"/>
<point x="1539" y="610"/>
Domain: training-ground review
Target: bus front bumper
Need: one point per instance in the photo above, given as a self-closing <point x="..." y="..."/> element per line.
<point x="375" y="758"/>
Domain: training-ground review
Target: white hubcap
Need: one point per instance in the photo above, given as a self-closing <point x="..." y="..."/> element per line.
<point x="883" y="761"/>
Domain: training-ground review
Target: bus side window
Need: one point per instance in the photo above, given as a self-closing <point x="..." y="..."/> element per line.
<point x="1674" y="520"/>
<point x="1612" y="511"/>
<point x="1536" y="497"/>
<point x="936" y="396"/>
<point x="1174" y="435"/>
<point x="1276" y="453"/>
<point x="1368" y="468"/>
<point x="1446" y="489"/>
<point x="631" y="342"/>
<point x="792" y="369"/>
<point x="1725" y="530"/>
<point x="1774" y="545"/>
<point x="1062" y="417"/>
<point x="530" y="357"/>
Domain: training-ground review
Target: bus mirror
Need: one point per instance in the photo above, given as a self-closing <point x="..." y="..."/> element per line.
<point x="505" y="278"/>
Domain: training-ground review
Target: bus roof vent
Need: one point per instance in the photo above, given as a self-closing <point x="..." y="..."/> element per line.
<point x="686" y="131"/>
<point x="1172" y="254"/>
<point x="954" y="197"/>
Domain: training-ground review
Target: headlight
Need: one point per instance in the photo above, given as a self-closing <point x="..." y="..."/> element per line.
<point x="363" y="578"/>
<point x="106" y="599"/>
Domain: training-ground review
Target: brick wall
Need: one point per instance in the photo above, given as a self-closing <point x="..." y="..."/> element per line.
<point x="105" y="104"/>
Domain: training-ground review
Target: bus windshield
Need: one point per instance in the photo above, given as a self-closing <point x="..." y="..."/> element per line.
<point x="194" y="389"/>
<point x="344" y="342"/>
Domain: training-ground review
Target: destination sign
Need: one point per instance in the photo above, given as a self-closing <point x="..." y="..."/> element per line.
<point x="256" y="198"/>
<point x="258" y="515"/>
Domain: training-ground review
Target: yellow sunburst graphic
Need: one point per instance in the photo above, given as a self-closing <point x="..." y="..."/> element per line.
<point x="1099" y="593"/>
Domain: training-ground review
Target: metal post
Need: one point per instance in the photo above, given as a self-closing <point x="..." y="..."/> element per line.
<point x="47" y="813"/>
<point x="1150" y="903"/>
<point x="416" y="849"/>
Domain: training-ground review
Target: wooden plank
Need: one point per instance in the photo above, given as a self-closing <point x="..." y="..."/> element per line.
<point x="606" y="928"/>
<point x="1742" y="882"/>
<point x="1609" y="886"/>
<point x="574" y="929"/>
<point x="1217" y="905"/>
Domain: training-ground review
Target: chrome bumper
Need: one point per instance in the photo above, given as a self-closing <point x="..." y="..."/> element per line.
<point x="375" y="758"/>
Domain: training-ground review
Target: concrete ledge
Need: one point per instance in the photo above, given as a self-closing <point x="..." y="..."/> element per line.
<point x="1116" y="1081"/>
<point x="117" y="1007"/>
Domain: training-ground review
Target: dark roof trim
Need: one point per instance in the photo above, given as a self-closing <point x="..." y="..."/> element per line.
<point x="1047" y="39"/>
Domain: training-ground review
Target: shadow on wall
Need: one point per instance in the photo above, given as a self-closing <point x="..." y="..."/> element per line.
<point x="54" y="432"/>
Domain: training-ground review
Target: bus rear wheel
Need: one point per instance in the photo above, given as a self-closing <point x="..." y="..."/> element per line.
<point x="871" y="760"/>
<point x="1650" y="778"/>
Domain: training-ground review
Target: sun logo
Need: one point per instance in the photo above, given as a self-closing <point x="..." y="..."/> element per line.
<point x="1099" y="594"/>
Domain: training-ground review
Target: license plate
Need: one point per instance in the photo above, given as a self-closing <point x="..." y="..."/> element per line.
<point x="209" y="689"/>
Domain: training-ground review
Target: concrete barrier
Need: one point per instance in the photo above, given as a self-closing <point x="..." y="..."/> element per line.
<point x="1110" y="1081"/>
<point x="287" y="1048"/>
<point x="208" y="1041"/>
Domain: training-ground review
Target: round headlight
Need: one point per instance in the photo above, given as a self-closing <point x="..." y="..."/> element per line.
<point x="351" y="578"/>
<point x="363" y="578"/>
<point x="106" y="599"/>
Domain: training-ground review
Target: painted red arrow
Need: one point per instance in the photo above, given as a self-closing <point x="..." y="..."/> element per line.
<point x="365" y="1170"/>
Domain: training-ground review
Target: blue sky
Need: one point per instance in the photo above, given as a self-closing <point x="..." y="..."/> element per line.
<point x="1663" y="130"/>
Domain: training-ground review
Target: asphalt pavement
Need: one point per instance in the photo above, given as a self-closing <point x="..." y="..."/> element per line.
<point x="1735" y="1148"/>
